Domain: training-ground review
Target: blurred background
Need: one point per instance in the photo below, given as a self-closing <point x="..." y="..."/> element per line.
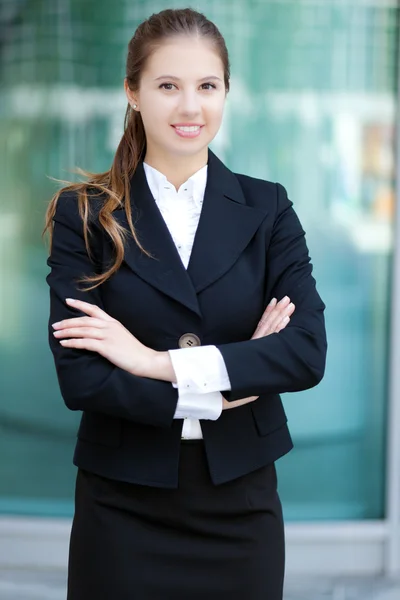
<point x="313" y="105"/>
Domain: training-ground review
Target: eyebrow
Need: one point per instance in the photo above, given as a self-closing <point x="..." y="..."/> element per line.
<point x="211" y="77"/>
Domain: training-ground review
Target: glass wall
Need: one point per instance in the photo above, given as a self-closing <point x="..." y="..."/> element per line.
<point x="312" y="105"/>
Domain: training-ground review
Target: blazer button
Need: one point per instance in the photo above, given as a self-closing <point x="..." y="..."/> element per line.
<point x="189" y="340"/>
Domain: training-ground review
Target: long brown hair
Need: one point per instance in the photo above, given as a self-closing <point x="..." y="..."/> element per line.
<point x="114" y="184"/>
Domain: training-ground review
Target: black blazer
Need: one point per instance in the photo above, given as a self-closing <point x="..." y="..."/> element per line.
<point x="249" y="247"/>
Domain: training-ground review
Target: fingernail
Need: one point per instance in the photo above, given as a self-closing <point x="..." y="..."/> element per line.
<point x="70" y="300"/>
<point x="55" y="325"/>
<point x="272" y="301"/>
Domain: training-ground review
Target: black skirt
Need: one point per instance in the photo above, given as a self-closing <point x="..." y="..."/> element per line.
<point x="197" y="542"/>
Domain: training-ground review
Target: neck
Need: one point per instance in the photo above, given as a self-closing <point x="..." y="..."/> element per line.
<point x="177" y="169"/>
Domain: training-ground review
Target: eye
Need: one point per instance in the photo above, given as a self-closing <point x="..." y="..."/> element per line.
<point x="167" y="86"/>
<point x="208" y="86"/>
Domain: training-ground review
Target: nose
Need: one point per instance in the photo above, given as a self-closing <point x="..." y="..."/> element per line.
<point x="189" y="103"/>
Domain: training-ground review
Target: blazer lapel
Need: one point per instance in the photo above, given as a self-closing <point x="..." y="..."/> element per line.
<point x="164" y="270"/>
<point x="226" y="226"/>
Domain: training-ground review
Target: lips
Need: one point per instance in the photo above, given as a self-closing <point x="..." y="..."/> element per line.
<point x="187" y="130"/>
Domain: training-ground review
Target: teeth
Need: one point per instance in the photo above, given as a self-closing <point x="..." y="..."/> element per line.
<point x="191" y="128"/>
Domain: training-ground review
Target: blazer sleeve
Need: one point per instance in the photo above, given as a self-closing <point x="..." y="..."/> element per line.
<point x="293" y="359"/>
<point x="88" y="381"/>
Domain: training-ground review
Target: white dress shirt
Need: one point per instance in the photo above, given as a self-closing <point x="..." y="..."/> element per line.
<point x="200" y="372"/>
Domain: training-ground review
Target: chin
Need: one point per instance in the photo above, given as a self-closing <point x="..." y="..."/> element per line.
<point x="189" y="149"/>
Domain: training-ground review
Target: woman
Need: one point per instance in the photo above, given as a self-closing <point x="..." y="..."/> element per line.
<point x="160" y="272"/>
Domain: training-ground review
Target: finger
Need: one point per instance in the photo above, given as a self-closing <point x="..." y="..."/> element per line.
<point x="80" y="332"/>
<point x="80" y="322"/>
<point x="268" y="321"/>
<point x="290" y="310"/>
<point x="236" y="403"/>
<point x="264" y="319"/>
<point x="89" y="309"/>
<point x="270" y="306"/>
<point x="268" y="310"/>
<point x="278" y="315"/>
<point x="283" y="303"/>
<point x="275" y="309"/>
<point x="274" y="321"/>
<point x="82" y="344"/>
<point x="278" y="318"/>
<point x="284" y="322"/>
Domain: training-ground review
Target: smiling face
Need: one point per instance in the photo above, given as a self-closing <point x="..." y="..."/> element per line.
<point x="181" y="98"/>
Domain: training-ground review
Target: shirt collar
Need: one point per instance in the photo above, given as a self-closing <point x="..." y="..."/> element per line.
<point x="194" y="187"/>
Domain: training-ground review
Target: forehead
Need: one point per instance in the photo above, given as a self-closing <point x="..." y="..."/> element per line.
<point x="184" y="57"/>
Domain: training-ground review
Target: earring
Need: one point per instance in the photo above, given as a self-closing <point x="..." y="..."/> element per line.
<point x="135" y="106"/>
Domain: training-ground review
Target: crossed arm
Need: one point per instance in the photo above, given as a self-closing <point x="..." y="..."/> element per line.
<point x="101" y="333"/>
<point x="136" y="384"/>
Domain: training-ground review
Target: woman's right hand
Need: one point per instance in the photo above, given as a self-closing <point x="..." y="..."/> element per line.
<point x="275" y="318"/>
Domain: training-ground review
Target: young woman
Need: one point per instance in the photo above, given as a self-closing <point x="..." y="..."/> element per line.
<point x="161" y="269"/>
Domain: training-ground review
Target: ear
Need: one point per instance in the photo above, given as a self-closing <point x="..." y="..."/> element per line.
<point x="129" y="94"/>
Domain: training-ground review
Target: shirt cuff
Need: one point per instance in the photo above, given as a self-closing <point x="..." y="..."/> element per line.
<point x="196" y="406"/>
<point x="199" y="370"/>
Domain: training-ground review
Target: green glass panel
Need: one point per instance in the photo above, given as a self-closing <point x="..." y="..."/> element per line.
<point x="312" y="105"/>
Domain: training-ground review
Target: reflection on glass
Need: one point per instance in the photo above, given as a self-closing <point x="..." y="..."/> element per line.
<point x="312" y="106"/>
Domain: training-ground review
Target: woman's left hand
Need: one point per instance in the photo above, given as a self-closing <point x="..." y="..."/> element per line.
<point x="98" y="332"/>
